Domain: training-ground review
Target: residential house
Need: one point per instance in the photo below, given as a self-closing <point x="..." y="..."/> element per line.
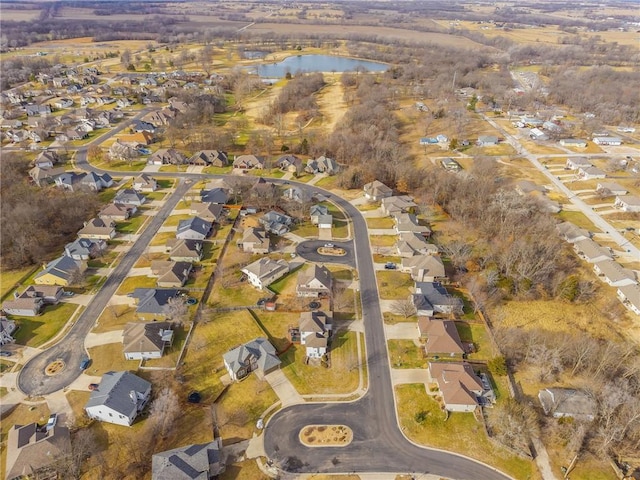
<point x="194" y="462"/>
<point x="152" y="302"/>
<point x="171" y="274"/>
<point x="63" y="103"/>
<point x="410" y="244"/>
<point x="167" y="156"/>
<point x="430" y="298"/>
<point x="248" y="162"/>
<point x="315" y="281"/>
<point x="577" y="162"/>
<point x="32" y="450"/>
<point x="70" y="181"/>
<point x="316" y="211"/>
<point x="322" y="165"/>
<point x="590" y="251"/>
<point x="97" y="182"/>
<point x="442" y="337"/>
<point x="573" y="142"/>
<point x="606" y="140"/>
<point x="46" y="159"/>
<point x="627" y="203"/>
<point x="139" y="138"/>
<point x="526" y="187"/>
<point x="290" y="163"/>
<point x="265" y="271"/>
<point x="315" y="330"/>
<point x="254" y="240"/>
<point x="424" y="268"/>
<point x="117" y="212"/>
<point x="567" y="402"/>
<point x="571" y="233"/>
<point x="276" y="223"/>
<point x="408" y="223"/>
<point x="213" y="158"/>
<point x="98" y="229"/>
<point x="129" y="196"/>
<point x="62" y="271"/>
<point x="85" y="248"/>
<point x="41" y="110"/>
<point x="184" y="250"/>
<point x="145" y="183"/>
<point x="76" y="133"/>
<point x="42" y="176"/>
<point x="590" y="173"/>
<point x="398" y="204"/>
<point x="325" y="221"/>
<point x="297" y="194"/>
<point x="257" y="355"/>
<point x="614" y="274"/>
<point x="142" y="341"/>
<point x="487" y="140"/>
<point x="30" y="302"/>
<point x="142" y="126"/>
<point x="215" y="195"/>
<point x="119" y="398"/>
<point x="629" y="295"/>
<point x="450" y="165"/>
<point x="610" y="188"/>
<point x="7" y="327"/>
<point x="194" y="228"/>
<point x="211" y="212"/>
<point x="459" y="386"/>
<point x="120" y="150"/>
<point x="376" y="191"/>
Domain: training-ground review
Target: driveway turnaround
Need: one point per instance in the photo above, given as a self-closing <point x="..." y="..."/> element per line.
<point x="309" y="251"/>
<point x="32" y="379"/>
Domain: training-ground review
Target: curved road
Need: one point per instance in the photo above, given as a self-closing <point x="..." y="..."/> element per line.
<point x="378" y="444"/>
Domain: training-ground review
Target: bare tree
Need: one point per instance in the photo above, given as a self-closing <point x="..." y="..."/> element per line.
<point x="176" y="309"/>
<point x="165" y="409"/>
<point x="405" y="308"/>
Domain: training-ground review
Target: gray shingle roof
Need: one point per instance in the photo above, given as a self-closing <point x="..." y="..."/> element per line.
<point x="153" y="300"/>
<point x="114" y="392"/>
<point x="192" y="462"/>
<point x="260" y="348"/>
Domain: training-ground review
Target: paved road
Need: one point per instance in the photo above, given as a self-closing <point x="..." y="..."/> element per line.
<point x="32" y="379"/>
<point x="309" y="251"/>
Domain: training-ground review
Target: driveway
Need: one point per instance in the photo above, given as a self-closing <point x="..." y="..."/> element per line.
<point x="287" y="394"/>
<point x="402" y="331"/>
<point x="400" y="376"/>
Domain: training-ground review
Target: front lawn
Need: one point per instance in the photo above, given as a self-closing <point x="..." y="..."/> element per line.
<point x="174" y="220"/>
<point x="35" y="331"/>
<point x="129" y="284"/>
<point x="394" y="285"/>
<point x="383" y="240"/>
<point x="109" y="357"/>
<point x="382" y="222"/>
<point x="405" y="354"/>
<point x="10" y="278"/>
<point x="424" y="422"/>
<point x="161" y="238"/>
<point x="287" y="284"/>
<point x="132" y="225"/>
<point x="115" y="317"/>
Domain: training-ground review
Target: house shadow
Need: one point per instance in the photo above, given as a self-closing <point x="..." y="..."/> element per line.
<point x="26" y="328"/>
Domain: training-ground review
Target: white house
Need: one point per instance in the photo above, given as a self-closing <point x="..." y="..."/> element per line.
<point x="119" y="398"/>
<point x="629" y="295"/>
<point x="628" y="203"/>
<point x="607" y="140"/>
<point x="315" y="330"/>
<point x="614" y="274"/>
<point x="265" y="271"/>
<point x="577" y="162"/>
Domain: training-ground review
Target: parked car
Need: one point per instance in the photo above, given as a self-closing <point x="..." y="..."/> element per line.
<point x="93" y="386"/>
<point x="68" y="294"/>
<point x="390" y="266"/>
<point x="53" y="419"/>
<point x="85" y="364"/>
<point x="328" y="245"/>
<point x="4" y="353"/>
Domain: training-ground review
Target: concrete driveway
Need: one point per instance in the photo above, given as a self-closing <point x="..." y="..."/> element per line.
<point x="400" y="376"/>
<point x="287" y="394"/>
<point x="402" y="331"/>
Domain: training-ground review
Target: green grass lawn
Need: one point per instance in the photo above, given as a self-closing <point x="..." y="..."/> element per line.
<point x="340" y="272"/>
<point x="78" y="399"/>
<point x="107" y="195"/>
<point x="340" y="229"/>
<point x="151" y="196"/>
<point x="459" y="433"/>
<point x="161" y="238"/>
<point x="236" y="293"/>
<point x="383" y="222"/>
<point x="109" y="357"/>
<point x="115" y="317"/>
<point x="477" y="334"/>
<point x="218" y="170"/>
<point x="34" y="331"/>
<point x="174" y="220"/>
<point x="5" y="365"/>
<point x="579" y="219"/>
<point x="103" y="261"/>
<point x="129" y="284"/>
<point x="10" y="278"/>
<point x="135" y="166"/>
<point x="341" y="377"/>
<point x="329" y="182"/>
<point x="394" y="285"/>
<point x="305" y="229"/>
<point x="386" y="258"/>
<point x="405" y="354"/>
<point x="287" y="284"/>
<point x="334" y="210"/>
<point x="383" y="240"/>
<point x="276" y="324"/>
<point x="132" y="225"/>
<point x="164" y="183"/>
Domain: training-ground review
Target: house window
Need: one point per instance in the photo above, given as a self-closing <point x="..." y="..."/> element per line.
<point x="111" y="414"/>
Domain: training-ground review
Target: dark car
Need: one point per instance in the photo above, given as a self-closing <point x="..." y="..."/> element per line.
<point x="4" y="353"/>
<point x="390" y="266"/>
<point x="85" y="364"/>
<point x="93" y="386"/>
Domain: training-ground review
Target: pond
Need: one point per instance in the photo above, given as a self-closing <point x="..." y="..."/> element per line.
<point x="317" y="63"/>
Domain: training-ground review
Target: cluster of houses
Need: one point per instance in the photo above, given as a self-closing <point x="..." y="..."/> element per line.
<point x="604" y="266"/>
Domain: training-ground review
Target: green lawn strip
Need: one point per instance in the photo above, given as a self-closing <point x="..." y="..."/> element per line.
<point x="103" y="261"/>
<point x="129" y="284"/>
<point x="164" y="183"/>
<point x="476" y="333"/>
<point x="329" y="182"/>
<point x="236" y="293"/>
<point x="377" y="223"/>
<point x="199" y="276"/>
<point x="123" y="166"/>
<point x="151" y="196"/>
<point x="304" y="178"/>
<point x="383" y="240"/>
<point x="174" y="220"/>
<point x="115" y="317"/>
<point x="340" y="229"/>
<point x="132" y="225"/>
<point x="171" y="354"/>
<point x="10" y="278"/>
<point x="394" y="285"/>
<point x="579" y="219"/>
<point x="107" y="195"/>
<point x="161" y="238"/>
<point x="109" y="357"/>
<point x="386" y="258"/>
<point x="460" y="432"/>
<point x="34" y="331"/>
<point x="218" y="170"/>
<point x="405" y="354"/>
<point x="239" y="408"/>
<point x="305" y="229"/>
<point x="5" y="365"/>
<point x="3" y="390"/>
<point x="341" y="377"/>
<point x="392" y="318"/>
<point x="146" y="259"/>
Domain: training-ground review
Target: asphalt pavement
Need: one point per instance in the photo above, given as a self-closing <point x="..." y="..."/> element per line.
<point x="309" y="251"/>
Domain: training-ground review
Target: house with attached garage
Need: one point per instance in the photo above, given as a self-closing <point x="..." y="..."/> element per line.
<point x="610" y="188"/>
<point x="430" y="298"/>
<point x="398" y="204"/>
<point x="98" y="229"/>
<point x="258" y="356"/>
<point x="376" y="191"/>
<point x="211" y="212"/>
<point x="322" y="165"/>
<point x="408" y="223"/>
<point x="315" y="330"/>
<point x="441" y="336"/>
<point x="31" y="302"/>
<point x="567" y="402"/>
<point x="461" y="389"/>
<point x="213" y="158"/>
<point x="153" y="302"/>
<point x="62" y="271"/>
<point x="316" y="211"/>
<point x="215" y="195"/>
<point x="194" y="228"/>
<point x="184" y="250"/>
<point x="629" y="295"/>
<point x="276" y="223"/>
<point x="590" y="173"/>
<point x="129" y="196"/>
<point x="42" y="176"/>
<point x="627" y="203"/>
<point x="591" y="252"/>
<point x="194" y="462"/>
<point x="142" y="341"/>
<point x="249" y="162"/>
<point x="167" y="156"/>
<point x="117" y="212"/>
<point x="487" y="140"/>
<point x="7" y="327"/>
<point x="315" y="281"/>
<point x="410" y="244"/>
<point x="614" y="274"/>
<point x="171" y="274"/>
<point x="424" y="268"/>
<point x="85" y="248"/>
<point x="290" y="163"/>
<point x="119" y="398"/>
<point x="606" y="140"/>
<point x="571" y="233"/>
<point x="577" y="162"/>
<point x="264" y="272"/>
<point x="573" y="142"/>
<point x="254" y="240"/>
<point x="145" y="183"/>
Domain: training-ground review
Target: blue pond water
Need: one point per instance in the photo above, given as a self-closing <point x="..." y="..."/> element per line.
<point x="317" y="63"/>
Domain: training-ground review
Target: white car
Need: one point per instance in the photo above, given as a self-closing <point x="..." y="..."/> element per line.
<point x="328" y="245"/>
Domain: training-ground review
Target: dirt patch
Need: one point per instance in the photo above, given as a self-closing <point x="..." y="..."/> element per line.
<point x="326" y="435"/>
<point x="54" y="368"/>
<point x="332" y="251"/>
